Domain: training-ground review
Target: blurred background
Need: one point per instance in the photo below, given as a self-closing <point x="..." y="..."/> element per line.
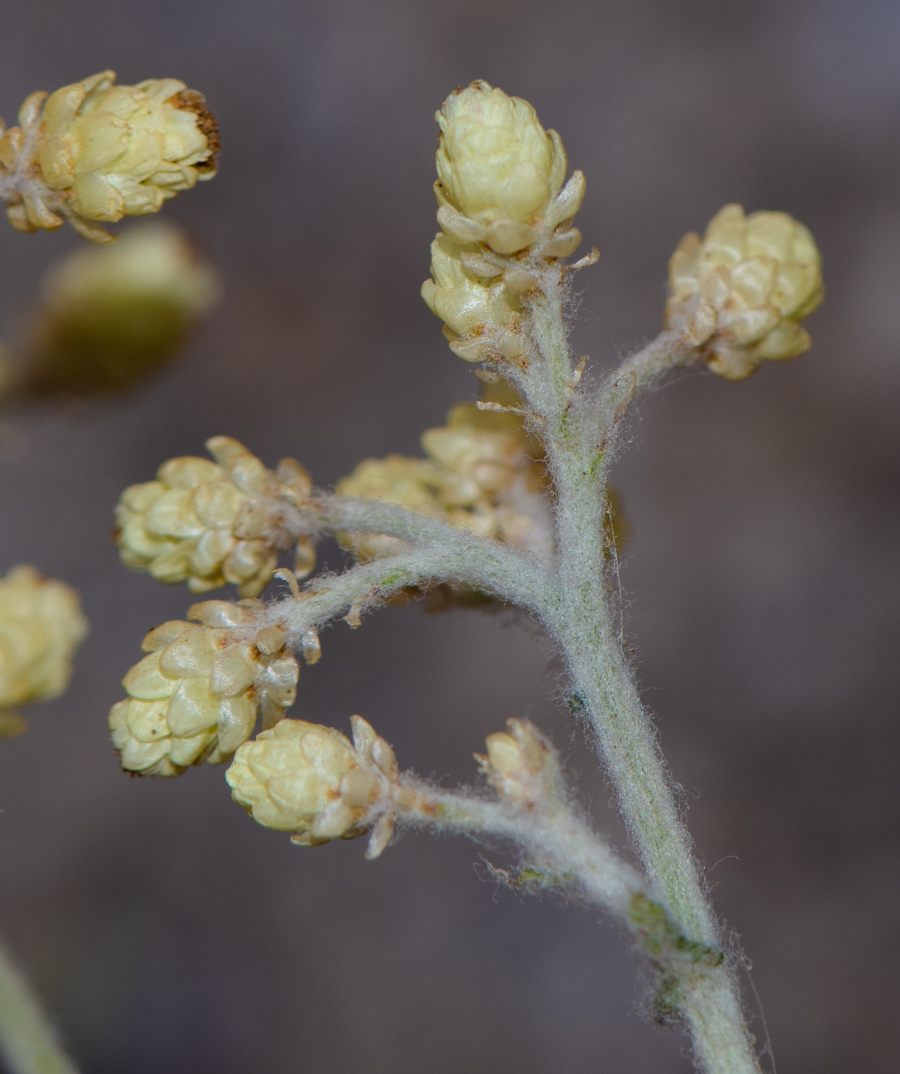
<point x="164" y="929"/>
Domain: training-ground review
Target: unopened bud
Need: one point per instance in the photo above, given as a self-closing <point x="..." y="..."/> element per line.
<point x="500" y="174"/>
<point x="96" y="151"/>
<point x="311" y="780"/>
<point x="197" y="694"/>
<point x="208" y="523"/>
<point x="521" y="766"/>
<point x="742" y="291"/>
<point x="41" y="626"/>
<point x="113" y="315"/>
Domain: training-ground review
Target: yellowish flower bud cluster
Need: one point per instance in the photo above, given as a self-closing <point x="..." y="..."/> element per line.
<point x="197" y="694"/>
<point x="41" y="626"/>
<point x="483" y="318"/>
<point x="500" y="174"/>
<point x="480" y="475"/>
<point x="310" y="780"/>
<point x="97" y="151"/>
<point x="743" y="289"/>
<point x="112" y="315"/>
<point x="521" y="766"/>
<point x="208" y="523"/>
<point x="500" y="192"/>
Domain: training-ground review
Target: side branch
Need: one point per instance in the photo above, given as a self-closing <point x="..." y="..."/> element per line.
<point x="444" y="555"/>
<point x="561" y="849"/>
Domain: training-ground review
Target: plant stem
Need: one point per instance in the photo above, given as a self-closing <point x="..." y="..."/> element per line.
<point x="579" y="440"/>
<point x="562" y="847"/>
<point x="28" y="1042"/>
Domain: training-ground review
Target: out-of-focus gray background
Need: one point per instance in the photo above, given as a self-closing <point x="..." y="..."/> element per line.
<point x="168" y="932"/>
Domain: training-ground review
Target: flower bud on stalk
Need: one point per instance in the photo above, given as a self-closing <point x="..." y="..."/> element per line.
<point x="522" y="767"/>
<point x="41" y="626"/>
<point x="96" y="151"/>
<point x="503" y="209"/>
<point x="309" y="779"/>
<point x="112" y="315"/>
<point x="209" y="523"/>
<point x="197" y="694"/>
<point x="742" y="291"/>
<point x="500" y="174"/>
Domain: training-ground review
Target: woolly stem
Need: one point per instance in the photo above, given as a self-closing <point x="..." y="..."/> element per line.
<point x="563" y="849"/>
<point x="28" y="1042"/>
<point x="448" y="556"/>
<point x="579" y="433"/>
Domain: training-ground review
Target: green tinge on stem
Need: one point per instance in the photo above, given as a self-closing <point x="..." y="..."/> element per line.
<point x="579" y="435"/>
<point x="28" y="1042"/>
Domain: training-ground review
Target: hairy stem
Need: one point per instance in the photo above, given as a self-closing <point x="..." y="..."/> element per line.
<point x="562" y="848"/>
<point x="28" y="1042"/>
<point x="443" y="554"/>
<point x="579" y="433"/>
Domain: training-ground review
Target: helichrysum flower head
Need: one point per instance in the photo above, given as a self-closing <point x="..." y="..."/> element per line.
<point x="521" y="766"/>
<point x="112" y="315"/>
<point x="208" y="523"/>
<point x="309" y="779"/>
<point x="41" y="626"/>
<point x="743" y="289"/>
<point x="97" y="151"/>
<point x="481" y="474"/>
<point x="197" y="694"/>
<point x="500" y="174"/>
<point x="483" y="319"/>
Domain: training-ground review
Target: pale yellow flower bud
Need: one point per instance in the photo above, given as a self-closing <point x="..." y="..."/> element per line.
<point x="743" y="290"/>
<point x="112" y="315"/>
<point x="500" y="174"/>
<point x="97" y="151"/>
<point x="483" y="317"/>
<point x="41" y="626"/>
<point x="521" y="766"/>
<point x="310" y="780"/>
<point x="197" y="694"/>
<point x="208" y="523"/>
<point x="483" y="474"/>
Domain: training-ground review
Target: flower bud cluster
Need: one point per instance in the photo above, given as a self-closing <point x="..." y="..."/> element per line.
<point x="197" y="694"/>
<point x="208" y="523"/>
<point x="502" y="208"/>
<point x="97" y="151"/>
<point x="500" y="174"/>
<point x="309" y="779"/>
<point x="480" y="475"/>
<point x="521" y="766"/>
<point x="41" y="626"/>
<point x="111" y="315"/>
<point x="742" y="291"/>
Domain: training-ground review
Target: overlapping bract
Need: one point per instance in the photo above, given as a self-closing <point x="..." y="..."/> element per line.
<point x="500" y="174"/>
<point x="197" y="694"/>
<point x="481" y="474"/>
<point x="503" y="210"/>
<point x="41" y="626"/>
<point x="97" y="151"/>
<point x="208" y="523"/>
<point x="742" y="291"/>
<point x="311" y="780"/>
